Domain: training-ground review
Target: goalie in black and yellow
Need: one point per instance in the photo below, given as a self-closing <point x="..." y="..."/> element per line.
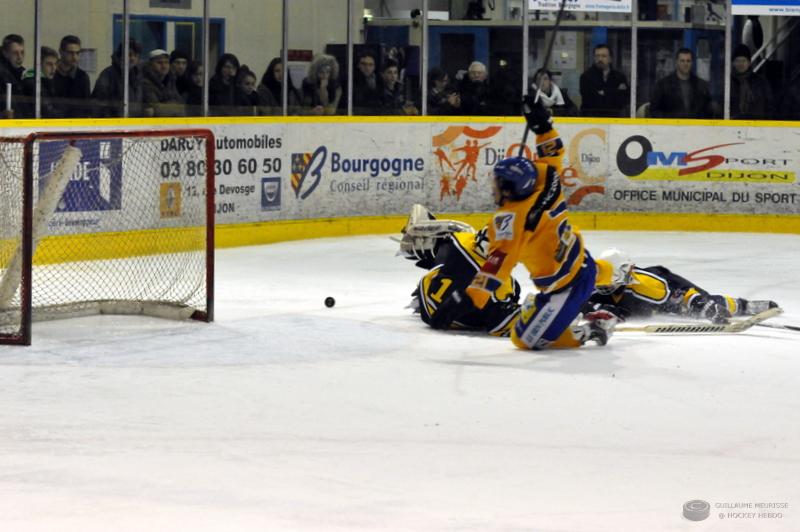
<point x="531" y="227"/>
<point x="625" y="289"/>
<point x="453" y="252"/>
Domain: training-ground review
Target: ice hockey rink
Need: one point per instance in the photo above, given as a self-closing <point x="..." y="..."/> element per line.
<point x="287" y="415"/>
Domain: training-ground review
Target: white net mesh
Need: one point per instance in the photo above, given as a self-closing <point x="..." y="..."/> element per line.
<point x="123" y="230"/>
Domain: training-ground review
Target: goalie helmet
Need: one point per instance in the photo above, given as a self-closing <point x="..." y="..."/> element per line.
<point x="621" y="270"/>
<point x="423" y="234"/>
<point x="515" y="178"/>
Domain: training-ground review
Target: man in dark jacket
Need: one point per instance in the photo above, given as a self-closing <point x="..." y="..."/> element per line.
<point x="27" y="103"/>
<point x="178" y="65"/>
<point x="475" y="94"/>
<point x="681" y="94"/>
<point x="11" y="69"/>
<point x="367" y="88"/>
<point x="108" y="89"/>
<point x="751" y="95"/>
<point x="160" y="96"/>
<point x="604" y="90"/>
<point x="70" y="83"/>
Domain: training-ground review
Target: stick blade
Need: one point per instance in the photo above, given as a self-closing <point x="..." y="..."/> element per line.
<point x="706" y="328"/>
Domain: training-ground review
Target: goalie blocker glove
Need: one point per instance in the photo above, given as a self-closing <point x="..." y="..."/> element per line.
<point x="454" y="307"/>
<point x="537" y="117"/>
<point x="709" y="308"/>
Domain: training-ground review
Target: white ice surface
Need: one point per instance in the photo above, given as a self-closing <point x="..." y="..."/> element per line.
<point x="286" y="415"/>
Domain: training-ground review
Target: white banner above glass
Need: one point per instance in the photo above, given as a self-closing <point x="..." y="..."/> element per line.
<point x="783" y="8"/>
<point x="614" y="6"/>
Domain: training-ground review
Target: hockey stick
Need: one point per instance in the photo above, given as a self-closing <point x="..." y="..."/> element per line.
<point x="779" y="326"/>
<point x="703" y="328"/>
<point x="544" y="65"/>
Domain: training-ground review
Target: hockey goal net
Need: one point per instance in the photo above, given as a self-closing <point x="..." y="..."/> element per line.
<point x="105" y="222"/>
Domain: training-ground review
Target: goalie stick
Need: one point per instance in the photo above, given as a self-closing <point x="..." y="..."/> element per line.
<point x="544" y="65"/>
<point x="779" y="326"/>
<point x="703" y="328"/>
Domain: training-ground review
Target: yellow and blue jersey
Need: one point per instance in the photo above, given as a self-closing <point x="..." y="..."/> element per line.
<point x="535" y="232"/>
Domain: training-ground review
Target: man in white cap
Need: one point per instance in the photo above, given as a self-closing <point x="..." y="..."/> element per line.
<point x="159" y="93"/>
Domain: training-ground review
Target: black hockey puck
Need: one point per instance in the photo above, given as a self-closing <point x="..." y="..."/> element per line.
<point x="329" y="302"/>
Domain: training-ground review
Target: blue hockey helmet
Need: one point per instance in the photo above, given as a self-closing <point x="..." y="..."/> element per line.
<point x="515" y="178"/>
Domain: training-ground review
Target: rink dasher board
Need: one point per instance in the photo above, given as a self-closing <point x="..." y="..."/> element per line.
<point x="296" y="169"/>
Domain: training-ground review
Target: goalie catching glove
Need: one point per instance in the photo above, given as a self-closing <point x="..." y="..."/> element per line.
<point x="423" y="234"/>
<point x="451" y="309"/>
<point x="537" y="117"/>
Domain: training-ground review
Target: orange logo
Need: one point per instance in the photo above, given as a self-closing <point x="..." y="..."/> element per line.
<point x="577" y="181"/>
<point x="458" y="157"/>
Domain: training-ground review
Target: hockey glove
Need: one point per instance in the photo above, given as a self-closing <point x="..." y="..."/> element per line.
<point x="605" y="311"/>
<point x="709" y="309"/>
<point x="455" y="306"/>
<point x="537" y="117"/>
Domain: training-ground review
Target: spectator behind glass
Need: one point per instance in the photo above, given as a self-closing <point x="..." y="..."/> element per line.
<point x="271" y="92"/>
<point x="475" y="90"/>
<point x="194" y="95"/>
<point x="790" y="100"/>
<point x="11" y="69"/>
<point x="751" y="95"/>
<point x="505" y="97"/>
<point x="160" y="96"/>
<point x="366" y="86"/>
<point x="178" y="65"/>
<point x="554" y="99"/>
<point x="604" y="90"/>
<point x="27" y="104"/>
<point x="108" y="93"/>
<point x="393" y="95"/>
<point x="246" y="81"/>
<point x="224" y="97"/>
<point x="321" y="88"/>
<point x="681" y="94"/>
<point x="70" y="83"/>
<point x="443" y="98"/>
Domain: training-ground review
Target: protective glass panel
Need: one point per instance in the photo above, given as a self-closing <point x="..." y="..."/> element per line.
<point x="474" y="70"/>
<point x="764" y="68"/>
<point x="681" y="61"/>
<point x="318" y="57"/>
<point x="17" y="81"/>
<point x="167" y="79"/>
<point x="588" y="70"/>
<point x="386" y="64"/>
<point x="244" y="60"/>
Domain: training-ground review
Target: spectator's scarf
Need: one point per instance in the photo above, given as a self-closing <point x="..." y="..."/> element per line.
<point x="554" y="98"/>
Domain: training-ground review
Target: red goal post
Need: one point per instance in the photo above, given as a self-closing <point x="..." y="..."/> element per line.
<point x="105" y="222"/>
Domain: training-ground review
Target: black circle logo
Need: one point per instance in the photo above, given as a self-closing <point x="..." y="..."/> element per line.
<point x="629" y="166"/>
